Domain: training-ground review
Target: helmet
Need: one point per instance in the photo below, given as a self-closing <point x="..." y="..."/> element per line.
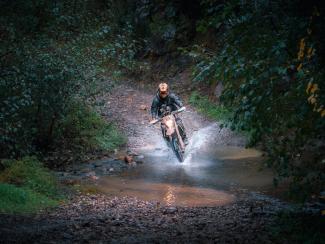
<point x="163" y="90"/>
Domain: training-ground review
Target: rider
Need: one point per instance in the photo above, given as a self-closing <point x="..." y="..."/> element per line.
<point x="165" y="98"/>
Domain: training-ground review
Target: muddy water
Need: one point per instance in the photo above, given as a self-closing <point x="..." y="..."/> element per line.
<point x="211" y="175"/>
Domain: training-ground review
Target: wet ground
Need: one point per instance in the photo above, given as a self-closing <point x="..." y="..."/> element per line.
<point x="102" y="219"/>
<point x="211" y="175"/>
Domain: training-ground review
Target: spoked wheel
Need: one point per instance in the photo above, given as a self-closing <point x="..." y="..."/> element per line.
<point x="177" y="149"/>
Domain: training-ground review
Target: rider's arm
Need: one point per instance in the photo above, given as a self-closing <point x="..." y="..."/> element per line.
<point x="154" y="108"/>
<point x="176" y="100"/>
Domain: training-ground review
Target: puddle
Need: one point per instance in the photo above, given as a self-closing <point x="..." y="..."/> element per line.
<point x="208" y="176"/>
<point x="164" y="193"/>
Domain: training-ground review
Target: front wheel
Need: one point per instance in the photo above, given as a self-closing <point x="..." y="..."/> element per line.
<point x="177" y="149"/>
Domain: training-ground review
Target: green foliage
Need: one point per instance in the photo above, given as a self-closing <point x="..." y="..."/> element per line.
<point x="87" y="129"/>
<point x="210" y="109"/>
<point x="27" y="186"/>
<point x="266" y="62"/>
<point x="121" y="50"/>
<point x="54" y="55"/>
<point x="30" y="173"/>
<point x="110" y="137"/>
<point x="36" y="89"/>
<point x="22" y="200"/>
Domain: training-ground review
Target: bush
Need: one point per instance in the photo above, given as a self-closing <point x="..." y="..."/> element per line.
<point x="26" y="186"/>
<point x="210" y="109"/>
<point x="36" y="90"/>
<point x="29" y="173"/>
<point x="48" y="65"/>
<point x="15" y="199"/>
<point x="87" y="129"/>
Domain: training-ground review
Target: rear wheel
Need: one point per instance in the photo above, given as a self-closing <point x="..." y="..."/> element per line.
<point x="177" y="149"/>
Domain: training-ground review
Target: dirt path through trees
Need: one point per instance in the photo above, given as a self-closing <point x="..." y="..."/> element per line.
<point x="130" y="106"/>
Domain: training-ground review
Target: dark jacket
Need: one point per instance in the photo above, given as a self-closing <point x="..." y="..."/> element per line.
<point x="173" y="101"/>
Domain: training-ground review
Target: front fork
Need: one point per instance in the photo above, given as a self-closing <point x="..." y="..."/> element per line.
<point x="180" y="140"/>
<point x="169" y="138"/>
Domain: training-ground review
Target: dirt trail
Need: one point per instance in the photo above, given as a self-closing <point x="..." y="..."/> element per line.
<point x="130" y="106"/>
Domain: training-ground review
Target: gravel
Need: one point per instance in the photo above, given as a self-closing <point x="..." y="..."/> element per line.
<point x="103" y="219"/>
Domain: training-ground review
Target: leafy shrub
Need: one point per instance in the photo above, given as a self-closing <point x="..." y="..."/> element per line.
<point x="36" y="89"/>
<point x="15" y="199"/>
<point x="29" y="173"/>
<point x="89" y="130"/>
<point x="46" y="72"/>
<point x="210" y="109"/>
<point x="27" y="186"/>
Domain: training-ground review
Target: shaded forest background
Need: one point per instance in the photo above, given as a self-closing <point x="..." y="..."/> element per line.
<point x="57" y="57"/>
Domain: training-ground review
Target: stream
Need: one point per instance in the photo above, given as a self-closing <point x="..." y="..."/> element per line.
<point x="211" y="175"/>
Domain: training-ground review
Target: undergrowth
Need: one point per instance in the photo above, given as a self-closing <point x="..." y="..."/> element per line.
<point x="26" y="186"/>
<point x="15" y="199"/>
<point x="208" y="108"/>
<point x="87" y="129"/>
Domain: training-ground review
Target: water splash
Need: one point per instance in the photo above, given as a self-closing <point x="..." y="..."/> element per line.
<point x="199" y="139"/>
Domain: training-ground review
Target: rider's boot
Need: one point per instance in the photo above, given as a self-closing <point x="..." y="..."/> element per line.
<point x="185" y="140"/>
<point x="183" y="135"/>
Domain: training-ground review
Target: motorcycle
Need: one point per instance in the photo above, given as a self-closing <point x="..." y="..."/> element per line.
<point x="171" y="132"/>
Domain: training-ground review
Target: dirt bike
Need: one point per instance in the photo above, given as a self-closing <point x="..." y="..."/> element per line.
<point x="171" y="132"/>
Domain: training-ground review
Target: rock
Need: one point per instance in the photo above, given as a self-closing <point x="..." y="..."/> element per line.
<point x="63" y="174"/>
<point x="322" y="196"/>
<point x="120" y="158"/>
<point x="170" y="210"/>
<point x="139" y="157"/>
<point x="218" y="90"/>
<point x="93" y="177"/>
<point x="91" y="173"/>
<point x="128" y="159"/>
<point x="67" y="236"/>
<point x="131" y="153"/>
<point x="143" y="107"/>
<point x="85" y="170"/>
<point x="98" y="164"/>
<point x="70" y="182"/>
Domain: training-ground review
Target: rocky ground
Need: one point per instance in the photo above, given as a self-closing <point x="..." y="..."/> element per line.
<point x="98" y="219"/>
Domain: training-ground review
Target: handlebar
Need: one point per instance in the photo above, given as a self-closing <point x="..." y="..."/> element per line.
<point x="155" y="121"/>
